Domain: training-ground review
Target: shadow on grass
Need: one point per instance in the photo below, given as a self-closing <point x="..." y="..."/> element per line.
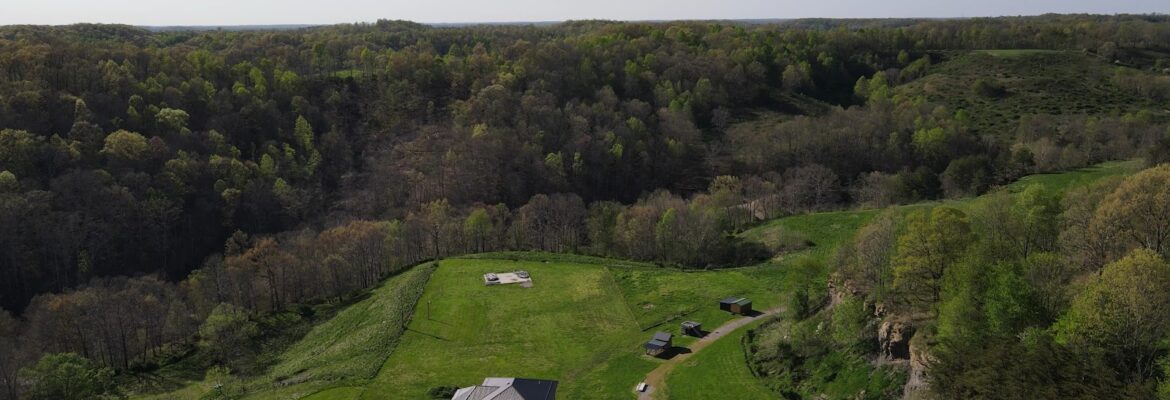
<point x="408" y="329"/>
<point x="673" y="352"/>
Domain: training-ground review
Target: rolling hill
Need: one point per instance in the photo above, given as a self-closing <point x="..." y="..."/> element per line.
<point x="1034" y="82"/>
<point x="582" y="323"/>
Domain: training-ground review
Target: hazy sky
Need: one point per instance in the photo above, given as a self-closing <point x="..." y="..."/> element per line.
<point x="239" y="12"/>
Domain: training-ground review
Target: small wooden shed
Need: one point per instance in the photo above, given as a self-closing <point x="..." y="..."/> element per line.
<point x="736" y="305"/>
<point x="660" y="343"/>
<point x="692" y="328"/>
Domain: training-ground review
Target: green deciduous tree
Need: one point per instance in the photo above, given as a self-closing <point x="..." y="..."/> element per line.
<point x="68" y="376"/>
<point x="934" y="240"/>
<point x="227" y="333"/>
<point x="478" y="227"/>
<point x="1124" y="311"/>
<point x="125" y="146"/>
<point x="1138" y="211"/>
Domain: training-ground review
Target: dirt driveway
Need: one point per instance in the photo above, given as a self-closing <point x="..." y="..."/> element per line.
<point x="656" y="379"/>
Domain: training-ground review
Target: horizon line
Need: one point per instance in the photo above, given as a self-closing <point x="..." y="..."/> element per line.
<point x="553" y="21"/>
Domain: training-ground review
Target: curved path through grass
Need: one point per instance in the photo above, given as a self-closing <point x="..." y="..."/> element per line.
<point x="656" y="379"/>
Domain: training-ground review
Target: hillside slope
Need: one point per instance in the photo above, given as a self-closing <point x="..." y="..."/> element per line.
<point x="582" y="323"/>
<point x="841" y="374"/>
<point x="1033" y="82"/>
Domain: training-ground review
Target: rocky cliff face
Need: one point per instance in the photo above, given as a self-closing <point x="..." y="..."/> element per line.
<point x="900" y="343"/>
<point x="894" y="339"/>
<point x="916" y="386"/>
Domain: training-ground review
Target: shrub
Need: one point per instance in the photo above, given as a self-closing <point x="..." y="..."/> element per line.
<point x="68" y="376"/>
<point x="987" y="88"/>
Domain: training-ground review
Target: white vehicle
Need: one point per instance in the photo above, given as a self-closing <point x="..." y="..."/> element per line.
<point x="522" y="274"/>
<point x="641" y="387"/>
<point x="491" y="277"/>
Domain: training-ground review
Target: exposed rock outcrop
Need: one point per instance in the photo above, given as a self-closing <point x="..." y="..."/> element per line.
<point x="917" y="386"/>
<point x="894" y="339"/>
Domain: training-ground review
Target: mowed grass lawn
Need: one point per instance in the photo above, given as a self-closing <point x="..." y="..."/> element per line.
<point x="583" y="323"/>
<point x="573" y="326"/>
<point x="720" y="371"/>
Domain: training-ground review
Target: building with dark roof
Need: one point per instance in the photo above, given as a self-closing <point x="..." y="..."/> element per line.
<point x="692" y="328"/>
<point x="509" y="389"/>
<point x="660" y="343"/>
<point x="737" y="305"/>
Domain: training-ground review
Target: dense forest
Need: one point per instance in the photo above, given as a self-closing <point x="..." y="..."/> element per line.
<point x="156" y="187"/>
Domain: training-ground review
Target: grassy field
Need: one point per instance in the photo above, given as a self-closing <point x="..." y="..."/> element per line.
<point x="350" y="346"/>
<point x="718" y="372"/>
<point x="1018" y="52"/>
<point x="582" y="324"/>
<point x="344" y="350"/>
<point x="1072" y="179"/>
<point x="1037" y="82"/>
<point x="573" y="326"/>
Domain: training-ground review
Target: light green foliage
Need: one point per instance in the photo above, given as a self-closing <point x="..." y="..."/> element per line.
<point x="267" y="165"/>
<point x="477" y="226"/>
<point x="282" y="190"/>
<point x="125" y="146"/>
<point x="803" y="301"/>
<point x="850" y="323"/>
<point x="173" y="120"/>
<point x="220" y="384"/>
<point x="1164" y="385"/>
<point x="1124" y="311"/>
<point x="1009" y="303"/>
<point x="873" y="89"/>
<point x="933" y="240"/>
<point x="961" y="312"/>
<point x="17" y="150"/>
<point x="931" y="143"/>
<point x="1048" y="276"/>
<point x="227" y="333"/>
<point x="310" y="156"/>
<point x="959" y="317"/>
<point x="351" y="346"/>
<point x="287" y="81"/>
<point x="864" y="263"/>
<point x="1139" y="207"/>
<point x="617" y="150"/>
<point x="555" y="163"/>
<point x="8" y="181"/>
<point x="1015" y="225"/>
<point x="664" y="231"/>
<point x="303" y="133"/>
<point x="1037" y="210"/>
<point x="67" y="376"/>
<point x="259" y="83"/>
